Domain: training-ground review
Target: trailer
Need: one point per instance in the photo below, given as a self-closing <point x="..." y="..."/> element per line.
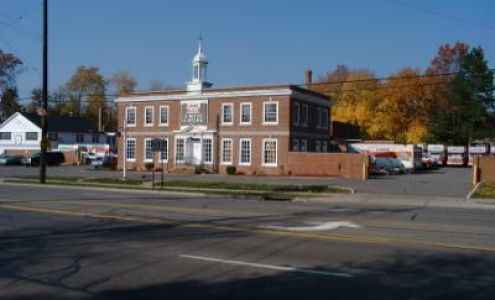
<point x="409" y="154"/>
<point x="438" y="153"/>
<point x="477" y="151"/>
<point x="457" y="156"/>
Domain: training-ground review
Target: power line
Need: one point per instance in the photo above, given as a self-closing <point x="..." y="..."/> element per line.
<point x="381" y="87"/>
<point x="440" y="14"/>
<point x="388" y="78"/>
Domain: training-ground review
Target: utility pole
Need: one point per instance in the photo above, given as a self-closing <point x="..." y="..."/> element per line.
<point x="44" y="95"/>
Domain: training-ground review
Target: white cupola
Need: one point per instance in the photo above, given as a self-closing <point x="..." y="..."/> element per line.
<point x="199" y="72"/>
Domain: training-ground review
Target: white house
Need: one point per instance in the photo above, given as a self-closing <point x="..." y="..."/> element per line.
<point x="18" y="134"/>
<point x="21" y="133"/>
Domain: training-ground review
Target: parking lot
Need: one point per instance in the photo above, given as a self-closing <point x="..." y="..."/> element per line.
<point x="444" y="182"/>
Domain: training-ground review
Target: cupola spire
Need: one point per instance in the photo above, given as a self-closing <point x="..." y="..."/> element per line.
<point x="199" y="71"/>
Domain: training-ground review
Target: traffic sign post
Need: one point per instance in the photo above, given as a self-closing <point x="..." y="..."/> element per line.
<point x="158" y="145"/>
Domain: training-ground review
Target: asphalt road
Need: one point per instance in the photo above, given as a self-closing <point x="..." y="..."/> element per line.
<point x="60" y="243"/>
<point x="445" y="182"/>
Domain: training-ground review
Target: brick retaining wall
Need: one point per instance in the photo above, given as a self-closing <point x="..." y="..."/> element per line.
<point x="486" y="169"/>
<point x="344" y="165"/>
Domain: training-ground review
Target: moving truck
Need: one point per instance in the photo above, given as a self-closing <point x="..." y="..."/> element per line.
<point x="477" y="151"/>
<point x="438" y="153"/>
<point x="457" y="156"/>
<point x="409" y="154"/>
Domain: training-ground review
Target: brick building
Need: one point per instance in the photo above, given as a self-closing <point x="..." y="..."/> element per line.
<point x="252" y="128"/>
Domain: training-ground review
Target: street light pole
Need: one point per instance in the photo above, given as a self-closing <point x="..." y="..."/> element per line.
<point x="124" y="156"/>
<point x="44" y="95"/>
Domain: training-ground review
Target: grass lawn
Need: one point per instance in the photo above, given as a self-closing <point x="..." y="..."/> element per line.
<point x="254" y="187"/>
<point x="186" y="184"/>
<point x="115" y="181"/>
<point x="53" y="178"/>
<point x="485" y="190"/>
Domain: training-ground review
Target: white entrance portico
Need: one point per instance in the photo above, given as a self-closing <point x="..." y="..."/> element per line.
<point x="194" y="146"/>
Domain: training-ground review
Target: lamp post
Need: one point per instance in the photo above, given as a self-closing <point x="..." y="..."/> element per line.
<point x="124" y="154"/>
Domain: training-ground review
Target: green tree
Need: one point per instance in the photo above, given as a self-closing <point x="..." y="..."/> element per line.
<point x="86" y="88"/>
<point x="465" y="116"/>
<point x="9" y="102"/>
<point x="123" y="82"/>
<point x="9" y="64"/>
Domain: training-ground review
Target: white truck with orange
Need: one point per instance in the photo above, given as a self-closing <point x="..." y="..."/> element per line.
<point x="457" y="156"/>
<point x="477" y="151"/>
<point x="409" y="154"/>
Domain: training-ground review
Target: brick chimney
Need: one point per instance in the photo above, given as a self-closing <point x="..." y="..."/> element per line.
<point x="308" y="77"/>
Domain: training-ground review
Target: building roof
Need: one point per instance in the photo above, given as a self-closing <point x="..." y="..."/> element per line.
<point x="182" y="92"/>
<point x="62" y="123"/>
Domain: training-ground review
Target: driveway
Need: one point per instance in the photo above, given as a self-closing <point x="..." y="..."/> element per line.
<point x="445" y="182"/>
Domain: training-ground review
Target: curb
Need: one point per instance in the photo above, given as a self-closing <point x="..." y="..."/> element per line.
<point x="184" y="191"/>
<point x="475" y="188"/>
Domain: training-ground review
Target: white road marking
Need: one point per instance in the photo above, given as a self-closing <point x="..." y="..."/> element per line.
<point x="263" y="266"/>
<point x="324" y="226"/>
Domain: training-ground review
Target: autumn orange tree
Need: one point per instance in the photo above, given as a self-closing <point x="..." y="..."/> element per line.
<point x="443" y="104"/>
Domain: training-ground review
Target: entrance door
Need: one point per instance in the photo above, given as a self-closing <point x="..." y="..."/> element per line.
<point x="18" y="139"/>
<point x="196" y="152"/>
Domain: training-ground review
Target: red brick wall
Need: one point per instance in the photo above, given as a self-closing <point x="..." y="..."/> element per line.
<point x="486" y="167"/>
<point x="345" y="165"/>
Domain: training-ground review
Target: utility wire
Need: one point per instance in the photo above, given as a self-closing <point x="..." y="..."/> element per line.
<point x="440" y="14"/>
<point x="380" y="87"/>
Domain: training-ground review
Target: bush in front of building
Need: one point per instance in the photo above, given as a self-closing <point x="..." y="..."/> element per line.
<point x="231" y="170"/>
<point x="149" y="166"/>
<point x="201" y="170"/>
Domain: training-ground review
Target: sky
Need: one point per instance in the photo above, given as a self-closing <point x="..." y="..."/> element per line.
<point x="252" y="42"/>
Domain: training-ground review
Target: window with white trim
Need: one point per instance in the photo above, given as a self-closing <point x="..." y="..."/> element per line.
<point x="318" y="117"/>
<point x="148" y="151"/>
<point x="130" y="116"/>
<point x="164" y="152"/>
<point x="317" y="146"/>
<point x="163" y="115"/>
<point x="79" y="137"/>
<point x="179" y="150"/>
<point x="227" y="113"/>
<point x="270" y="112"/>
<point x="325" y="118"/>
<point x="295" y="145"/>
<point x="207" y="151"/>
<point x="148" y="116"/>
<point x="246" y="111"/>
<point x="31" y="136"/>
<point x="270" y="152"/>
<point x="5" y="135"/>
<point x="130" y="149"/>
<point x="304" y="115"/>
<point x="245" y="151"/>
<point x="303" y="146"/>
<point x="226" y="151"/>
<point x="296" y="114"/>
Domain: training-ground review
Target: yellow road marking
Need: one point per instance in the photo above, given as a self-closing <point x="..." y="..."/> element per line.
<point x="231" y="228"/>
<point x="194" y="211"/>
<point x="224" y="213"/>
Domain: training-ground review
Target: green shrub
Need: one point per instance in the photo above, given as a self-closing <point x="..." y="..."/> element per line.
<point x="201" y="170"/>
<point x="231" y="170"/>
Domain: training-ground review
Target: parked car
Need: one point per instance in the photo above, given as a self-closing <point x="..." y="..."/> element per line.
<point x="52" y="159"/>
<point x="88" y="157"/>
<point x="104" y="162"/>
<point x="382" y="166"/>
<point x="427" y="162"/>
<point x="10" y="160"/>
<point x="398" y="166"/>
